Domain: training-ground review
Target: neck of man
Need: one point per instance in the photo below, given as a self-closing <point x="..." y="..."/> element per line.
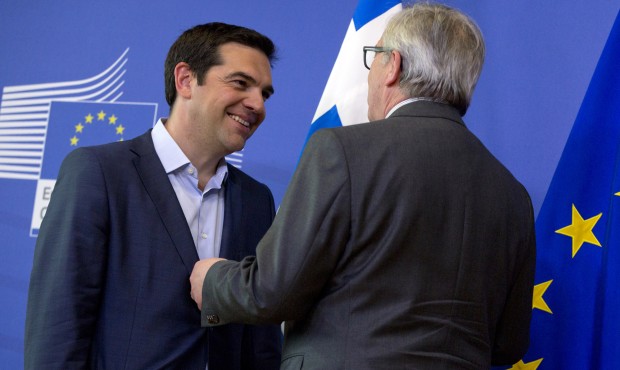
<point x="198" y="152"/>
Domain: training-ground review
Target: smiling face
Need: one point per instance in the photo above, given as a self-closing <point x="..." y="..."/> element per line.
<point x="230" y="104"/>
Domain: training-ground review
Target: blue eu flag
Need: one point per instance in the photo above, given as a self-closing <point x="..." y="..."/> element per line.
<point x="76" y="124"/>
<point x="576" y="318"/>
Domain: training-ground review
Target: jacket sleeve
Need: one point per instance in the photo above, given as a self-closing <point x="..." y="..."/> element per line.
<point x="67" y="274"/>
<point x="298" y="254"/>
<point x="512" y="335"/>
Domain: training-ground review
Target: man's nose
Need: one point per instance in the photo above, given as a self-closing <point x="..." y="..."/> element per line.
<point x="255" y="101"/>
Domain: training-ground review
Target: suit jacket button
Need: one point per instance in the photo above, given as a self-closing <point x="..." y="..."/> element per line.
<point x="213" y="319"/>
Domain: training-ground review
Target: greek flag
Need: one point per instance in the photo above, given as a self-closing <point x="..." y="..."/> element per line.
<point x="344" y="98"/>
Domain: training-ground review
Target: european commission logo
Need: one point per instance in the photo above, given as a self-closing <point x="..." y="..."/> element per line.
<point x="40" y="124"/>
<point x="75" y="124"/>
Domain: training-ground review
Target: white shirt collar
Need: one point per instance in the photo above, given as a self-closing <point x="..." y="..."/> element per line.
<point x="411" y="100"/>
<point x="173" y="158"/>
<point x="168" y="151"/>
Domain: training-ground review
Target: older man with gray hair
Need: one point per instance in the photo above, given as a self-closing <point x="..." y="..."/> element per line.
<point x="401" y="243"/>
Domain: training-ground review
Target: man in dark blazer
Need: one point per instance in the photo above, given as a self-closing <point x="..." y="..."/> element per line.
<point x="401" y="243"/>
<point x="127" y="222"/>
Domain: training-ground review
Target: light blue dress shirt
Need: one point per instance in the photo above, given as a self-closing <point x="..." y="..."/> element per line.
<point x="204" y="210"/>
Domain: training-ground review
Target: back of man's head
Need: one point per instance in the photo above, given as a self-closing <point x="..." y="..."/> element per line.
<point x="442" y="53"/>
<point x="198" y="47"/>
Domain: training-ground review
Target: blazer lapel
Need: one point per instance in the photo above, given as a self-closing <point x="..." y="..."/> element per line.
<point x="232" y="241"/>
<point x="162" y="194"/>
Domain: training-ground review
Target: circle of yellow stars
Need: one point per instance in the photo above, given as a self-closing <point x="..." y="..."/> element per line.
<point x="90" y="119"/>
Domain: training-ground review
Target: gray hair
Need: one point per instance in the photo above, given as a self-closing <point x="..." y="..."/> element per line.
<point x="442" y="53"/>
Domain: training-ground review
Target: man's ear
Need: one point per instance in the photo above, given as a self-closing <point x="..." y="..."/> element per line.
<point x="394" y="71"/>
<point x="183" y="76"/>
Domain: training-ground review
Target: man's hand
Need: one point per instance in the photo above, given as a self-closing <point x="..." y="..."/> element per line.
<point x="197" y="278"/>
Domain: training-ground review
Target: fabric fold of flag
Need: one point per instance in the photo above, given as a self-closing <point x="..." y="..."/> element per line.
<point x="575" y="323"/>
<point x="344" y="99"/>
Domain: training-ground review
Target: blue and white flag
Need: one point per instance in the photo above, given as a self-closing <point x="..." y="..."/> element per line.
<point x="344" y="100"/>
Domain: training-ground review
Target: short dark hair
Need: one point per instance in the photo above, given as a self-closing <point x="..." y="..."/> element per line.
<point x="199" y="48"/>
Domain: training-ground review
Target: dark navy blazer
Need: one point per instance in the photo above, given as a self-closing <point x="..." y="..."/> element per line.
<point x="109" y="286"/>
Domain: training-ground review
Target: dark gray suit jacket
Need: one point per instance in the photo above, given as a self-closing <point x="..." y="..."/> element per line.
<point x="400" y="244"/>
<point x="110" y="283"/>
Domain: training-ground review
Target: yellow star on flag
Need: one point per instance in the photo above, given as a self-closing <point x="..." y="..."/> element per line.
<point x="580" y="230"/>
<point x="101" y="116"/>
<point x="618" y="194"/>
<point x="79" y="127"/>
<point x="74" y="140"/>
<point x="538" y="301"/>
<point x="112" y="119"/>
<point x="89" y="118"/>
<point x="120" y="129"/>
<point x="529" y="366"/>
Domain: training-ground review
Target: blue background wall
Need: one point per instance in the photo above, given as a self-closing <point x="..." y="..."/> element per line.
<point x="540" y="58"/>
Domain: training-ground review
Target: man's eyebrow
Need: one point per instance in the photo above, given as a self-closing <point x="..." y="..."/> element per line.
<point x="247" y="77"/>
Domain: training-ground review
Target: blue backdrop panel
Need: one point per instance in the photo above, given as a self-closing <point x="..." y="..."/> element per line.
<point x="540" y="59"/>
